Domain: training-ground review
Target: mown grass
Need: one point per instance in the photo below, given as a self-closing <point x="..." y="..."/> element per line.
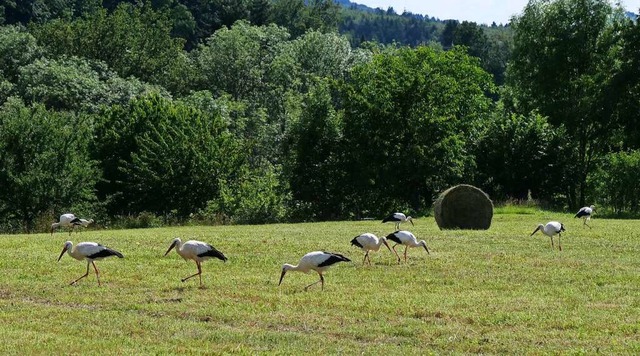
<point x="495" y="291"/>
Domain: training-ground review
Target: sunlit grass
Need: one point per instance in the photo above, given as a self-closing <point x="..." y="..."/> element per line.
<point x="495" y="291"/>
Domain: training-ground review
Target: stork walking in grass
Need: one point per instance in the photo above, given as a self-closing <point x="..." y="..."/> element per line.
<point x="585" y="213"/>
<point x="407" y="239"/>
<point x="196" y="251"/>
<point x="90" y="252"/>
<point x="398" y="218"/>
<point x="318" y="261"/>
<point x="369" y="242"/>
<point x="550" y="229"/>
<point x="85" y="223"/>
<point x="66" y="220"/>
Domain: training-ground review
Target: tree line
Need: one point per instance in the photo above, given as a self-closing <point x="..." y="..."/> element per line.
<point x="112" y="110"/>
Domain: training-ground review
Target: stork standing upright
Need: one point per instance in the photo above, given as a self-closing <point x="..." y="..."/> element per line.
<point x="407" y="239"/>
<point x="398" y="218"/>
<point x="318" y="261"/>
<point x="66" y="220"/>
<point x="550" y="229"/>
<point x="585" y="213"/>
<point x="369" y="242"/>
<point x="89" y="251"/>
<point x="197" y="251"/>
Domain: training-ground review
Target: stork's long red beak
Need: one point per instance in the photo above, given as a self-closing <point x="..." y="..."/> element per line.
<point x="384" y="241"/>
<point x="62" y="253"/>
<point x="284" y="271"/>
<point x="170" y="248"/>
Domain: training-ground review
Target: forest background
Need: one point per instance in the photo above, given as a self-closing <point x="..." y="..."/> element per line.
<point x="143" y="113"/>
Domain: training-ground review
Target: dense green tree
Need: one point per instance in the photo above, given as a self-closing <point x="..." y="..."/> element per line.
<point x="409" y="29"/>
<point x="184" y="155"/>
<point x="562" y="53"/>
<point x="116" y="133"/>
<point x="243" y="66"/>
<point x="76" y="84"/>
<point x="447" y="36"/>
<point x="409" y="118"/>
<point x="313" y="169"/>
<point x="72" y="84"/>
<point x="616" y="182"/>
<point x="234" y="60"/>
<point x="500" y="44"/>
<point x="298" y="18"/>
<point x="518" y="155"/>
<point x="472" y="36"/>
<point x="165" y="157"/>
<point x="625" y="87"/>
<point x="17" y="48"/>
<point x="323" y="55"/>
<point x="44" y="163"/>
<point x="259" y="12"/>
<point x="40" y="11"/>
<point x="133" y="41"/>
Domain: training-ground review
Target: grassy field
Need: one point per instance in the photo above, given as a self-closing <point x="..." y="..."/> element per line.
<point x="495" y="291"/>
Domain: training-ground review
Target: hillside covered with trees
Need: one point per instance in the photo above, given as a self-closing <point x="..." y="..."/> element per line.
<point x="253" y="111"/>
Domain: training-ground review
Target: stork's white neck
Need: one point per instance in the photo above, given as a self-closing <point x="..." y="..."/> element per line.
<point x="289" y="267"/>
<point x="74" y="253"/>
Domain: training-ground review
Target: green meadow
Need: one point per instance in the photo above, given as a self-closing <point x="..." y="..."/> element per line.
<point x="494" y="292"/>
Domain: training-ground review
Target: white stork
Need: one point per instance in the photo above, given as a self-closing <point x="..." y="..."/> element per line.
<point x="369" y="242"/>
<point x="398" y="218"/>
<point x="66" y="220"/>
<point x="407" y="239"/>
<point x="318" y="261"/>
<point x="585" y="213"/>
<point x="89" y="251"/>
<point x="85" y="222"/>
<point x="197" y="251"/>
<point x="552" y="228"/>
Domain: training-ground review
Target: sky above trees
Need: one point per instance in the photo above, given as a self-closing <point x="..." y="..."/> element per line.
<point x="479" y="11"/>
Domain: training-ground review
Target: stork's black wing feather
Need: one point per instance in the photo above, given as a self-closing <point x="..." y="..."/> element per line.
<point x="394" y="238"/>
<point x="355" y="242"/>
<point x="333" y="259"/>
<point x="106" y="252"/>
<point x="581" y="213"/>
<point x="390" y="218"/>
<point x="213" y="252"/>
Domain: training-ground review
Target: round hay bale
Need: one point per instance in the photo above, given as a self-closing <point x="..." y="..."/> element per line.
<point x="463" y="207"/>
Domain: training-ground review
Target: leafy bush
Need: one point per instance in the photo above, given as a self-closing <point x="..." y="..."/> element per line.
<point x="518" y="155"/>
<point x="615" y="183"/>
<point x="257" y="198"/>
<point x="44" y="162"/>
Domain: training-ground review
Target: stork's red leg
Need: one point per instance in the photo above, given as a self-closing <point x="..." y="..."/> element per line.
<point x="97" y="273"/>
<point x="195" y="274"/>
<point x="86" y="274"/>
<point x="559" y="246"/>
<point x="320" y="281"/>
<point x="396" y="252"/>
